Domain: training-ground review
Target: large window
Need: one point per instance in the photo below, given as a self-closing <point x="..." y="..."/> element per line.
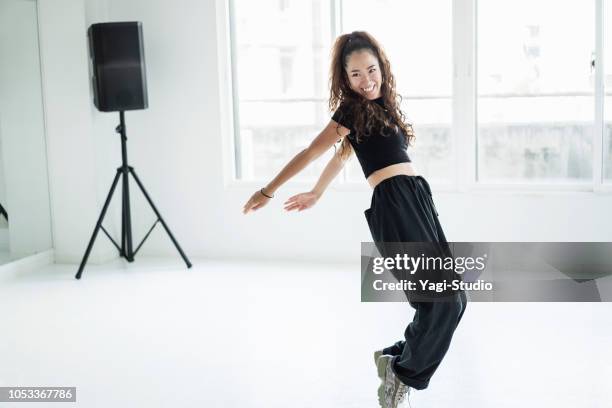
<point x="281" y="52"/>
<point x="534" y="93"/>
<point x="535" y="90"/>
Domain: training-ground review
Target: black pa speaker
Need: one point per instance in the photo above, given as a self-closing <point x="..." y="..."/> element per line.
<point x="118" y="66"/>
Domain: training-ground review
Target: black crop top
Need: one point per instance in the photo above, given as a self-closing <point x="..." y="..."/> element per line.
<point x="375" y="151"/>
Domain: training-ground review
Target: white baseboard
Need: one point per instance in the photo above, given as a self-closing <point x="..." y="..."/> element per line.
<point x="28" y="263"/>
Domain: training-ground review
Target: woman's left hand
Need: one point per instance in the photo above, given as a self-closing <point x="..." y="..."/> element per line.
<point x="301" y="201"/>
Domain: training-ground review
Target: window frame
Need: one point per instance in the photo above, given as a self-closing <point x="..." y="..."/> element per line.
<point x="464" y="124"/>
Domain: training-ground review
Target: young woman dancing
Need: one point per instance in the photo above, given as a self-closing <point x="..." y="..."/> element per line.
<point x="368" y="121"/>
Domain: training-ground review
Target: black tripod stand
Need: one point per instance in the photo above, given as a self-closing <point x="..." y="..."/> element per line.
<point x="3" y="212"/>
<point x="126" y="249"/>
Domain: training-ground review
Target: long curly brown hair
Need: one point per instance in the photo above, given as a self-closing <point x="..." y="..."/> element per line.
<point x="369" y="117"/>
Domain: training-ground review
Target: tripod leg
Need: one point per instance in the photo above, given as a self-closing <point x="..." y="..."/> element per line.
<point x="129" y="255"/>
<point x="3" y="212"/>
<point x="178" y="247"/>
<point x="98" y="224"/>
<point x="122" y="253"/>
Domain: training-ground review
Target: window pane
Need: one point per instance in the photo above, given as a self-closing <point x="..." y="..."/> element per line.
<point x="272" y="132"/>
<point x="535" y="90"/>
<point x="281" y="61"/>
<point x="607" y="141"/>
<point x="416" y="36"/>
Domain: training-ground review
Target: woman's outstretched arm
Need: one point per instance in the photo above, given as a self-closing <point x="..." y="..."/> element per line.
<point x="333" y="168"/>
<point x="306" y="200"/>
<point x="317" y="147"/>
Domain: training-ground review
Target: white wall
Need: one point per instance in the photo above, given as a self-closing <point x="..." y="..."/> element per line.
<point x="24" y="163"/>
<point x="73" y="179"/>
<point x="177" y="148"/>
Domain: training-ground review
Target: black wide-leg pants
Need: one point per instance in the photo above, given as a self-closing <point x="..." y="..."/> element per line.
<point x="403" y="210"/>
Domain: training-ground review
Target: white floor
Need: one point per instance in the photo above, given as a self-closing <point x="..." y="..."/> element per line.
<point x="154" y="334"/>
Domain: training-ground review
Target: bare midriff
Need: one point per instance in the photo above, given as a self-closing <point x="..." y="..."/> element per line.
<point x="390" y="171"/>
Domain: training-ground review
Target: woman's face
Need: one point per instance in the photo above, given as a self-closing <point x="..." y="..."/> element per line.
<point x="364" y="74"/>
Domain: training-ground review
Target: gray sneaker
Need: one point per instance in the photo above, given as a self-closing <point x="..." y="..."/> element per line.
<point x="391" y="392"/>
<point x="377" y="354"/>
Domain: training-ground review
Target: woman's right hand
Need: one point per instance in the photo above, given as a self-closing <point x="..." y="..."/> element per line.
<point x="301" y="201"/>
<point x="256" y="201"/>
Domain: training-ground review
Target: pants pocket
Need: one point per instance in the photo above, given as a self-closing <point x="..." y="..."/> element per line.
<point x="369" y="216"/>
<point x="428" y="189"/>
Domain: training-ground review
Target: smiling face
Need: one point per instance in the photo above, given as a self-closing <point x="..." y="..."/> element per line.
<point x="364" y="74"/>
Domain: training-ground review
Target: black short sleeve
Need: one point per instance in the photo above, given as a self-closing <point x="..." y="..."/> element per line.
<point x="344" y="116"/>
